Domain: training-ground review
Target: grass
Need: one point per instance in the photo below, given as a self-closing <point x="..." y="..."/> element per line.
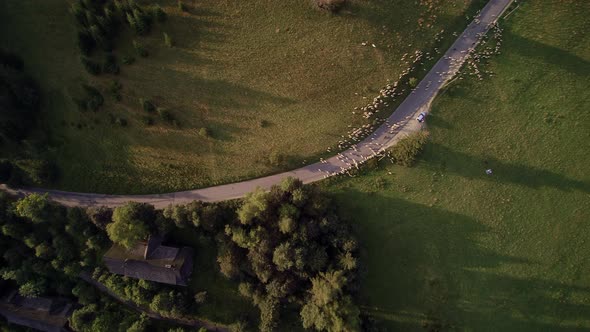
<point x="448" y="247"/>
<point x="223" y="304"/>
<point x="234" y="66"/>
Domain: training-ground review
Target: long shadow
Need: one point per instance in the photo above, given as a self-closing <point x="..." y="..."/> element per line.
<point x="547" y="53"/>
<point x="425" y="270"/>
<point x="474" y="167"/>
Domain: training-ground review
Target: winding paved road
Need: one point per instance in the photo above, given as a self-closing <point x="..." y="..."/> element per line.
<point x="397" y="126"/>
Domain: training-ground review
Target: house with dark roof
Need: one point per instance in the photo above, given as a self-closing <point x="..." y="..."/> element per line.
<point x="150" y="260"/>
<point x="43" y="314"/>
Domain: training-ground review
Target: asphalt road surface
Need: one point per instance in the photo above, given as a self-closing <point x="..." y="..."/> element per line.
<point x="398" y="125"/>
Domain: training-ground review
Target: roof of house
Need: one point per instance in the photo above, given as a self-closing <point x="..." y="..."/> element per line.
<point x="150" y="260"/>
<point x="45" y="314"/>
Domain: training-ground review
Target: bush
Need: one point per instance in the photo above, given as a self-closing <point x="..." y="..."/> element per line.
<point x="121" y="122"/>
<point x="147" y="105"/>
<point x="140" y="49"/>
<point x="115" y="90"/>
<point x="91" y="67"/>
<point x="127" y="60"/>
<point x="404" y="153"/>
<point x="167" y="40"/>
<point x="94" y="98"/>
<point x="276" y="159"/>
<point x="330" y="5"/>
<point x="204" y="132"/>
<point x="86" y="43"/>
<point x="158" y="14"/>
<point x="147" y="120"/>
<point x="413" y="82"/>
<point x="182" y="6"/>
<point x="165" y="115"/>
<point x="110" y="65"/>
<point x="264" y="123"/>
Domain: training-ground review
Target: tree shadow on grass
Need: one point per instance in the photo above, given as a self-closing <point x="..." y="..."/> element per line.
<point x="425" y="269"/>
<point x="549" y="54"/>
<point x="473" y="167"/>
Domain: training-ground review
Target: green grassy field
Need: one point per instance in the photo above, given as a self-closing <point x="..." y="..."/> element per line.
<point x="263" y="76"/>
<point x="448" y="247"/>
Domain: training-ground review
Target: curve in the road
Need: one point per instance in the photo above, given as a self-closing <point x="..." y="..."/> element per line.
<point x="397" y="126"/>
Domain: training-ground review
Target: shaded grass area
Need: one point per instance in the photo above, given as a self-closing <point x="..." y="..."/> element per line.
<point x="223" y="304"/>
<point x="448" y="247"/>
<point x="262" y="76"/>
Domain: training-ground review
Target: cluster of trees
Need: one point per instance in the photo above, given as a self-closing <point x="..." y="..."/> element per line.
<point x="285" y="247"/>
<point x="159" y="298"/>
<point x="46" y="245"/>
<point x="99" y="23"/>
<point x="289" y="246"/>
<point x="44" y="248"/>
<point x="405" y="152"/>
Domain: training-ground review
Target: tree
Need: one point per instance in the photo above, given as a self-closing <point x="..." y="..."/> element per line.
<point x="201" y="297"/>
<point x="283" y="256"/>
<point x="269" y="314"/>
<point x="255" y="203"/>
<point x="82" y="318"/>
<point x="228" y="262"/>
<point x="34" y="207"/>
<point x="162" y="302"/>
<point x="33" y="288"/>
<point x="100" y="216"/>
<point x="167" y="40"/>
<point x="130" y="224"/>
<point x="140" y="325"/>
<point x="140" y="49"/>
<point x="406" y="151"/>
<point x="328" y="309"/>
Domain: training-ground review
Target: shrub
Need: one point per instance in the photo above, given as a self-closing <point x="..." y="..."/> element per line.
<point x="140" y="49"/>
<point x="330" y="5"/>
<point x="201" y="297"/>
<point x="158" y="14"/>
<point x="127" y="60"/>
<point x="86" y="43"/>
<point x="276" y="159"/>
<point x="147" y="120"/>
<point x="115" y="90"/>
<point x="404" y="153"/>
<point x="165" y="115"/>
<point x="147" y="105"/>
<point x="167" y="40"/>
<point x="204" y="132"/>
<point x="182" y="6"/>
<point x="121" y="122"/>
<point x="94" y="98"/>
<point x="413" y="82"/>
<point x="110" y="65"/>
<point x="91" y="67"/>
